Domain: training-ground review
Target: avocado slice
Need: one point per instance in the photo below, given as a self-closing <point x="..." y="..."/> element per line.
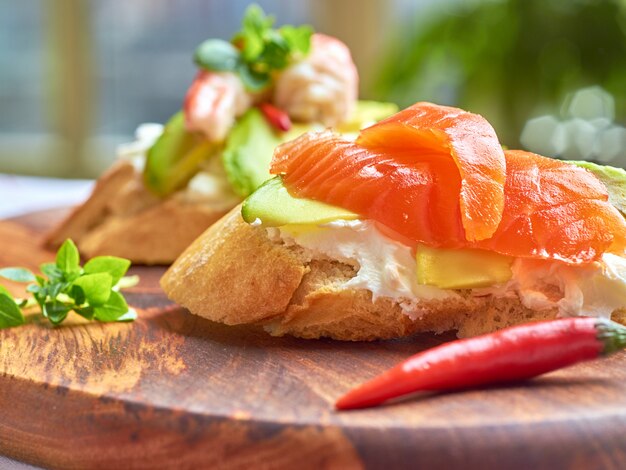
<point x="176" y="157"/>
<point x="274" y="206"/>
<point x="251" y="143"/>
<point x="613" y="178"/>
<point x="461" y="268"/>
<point x="248" y="152"/>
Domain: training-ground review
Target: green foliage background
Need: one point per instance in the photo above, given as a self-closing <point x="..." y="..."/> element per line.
<point x="509" y="60"/>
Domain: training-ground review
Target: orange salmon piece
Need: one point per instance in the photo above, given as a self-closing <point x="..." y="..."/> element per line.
<point x="555" y="210"/>
<point x="468" y="139"/>
<point x="416" y="197"/>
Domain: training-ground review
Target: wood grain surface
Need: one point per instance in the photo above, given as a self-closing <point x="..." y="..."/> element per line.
<point x="172" y="390"/>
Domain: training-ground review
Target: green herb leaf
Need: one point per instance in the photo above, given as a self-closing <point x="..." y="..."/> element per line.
<point x="17" y="274"/>
<point x="252" y="80"/>
<point x="67" y="259"/>
<point x="298" y="38"/>
<point x="91" y="292"/>
<point x="77" y="294"/>
<point x="275" y="54"/>
<point x="53" y="290"/>
<point x="85" y="312"/>
<point x="10" y="313"/>
<point x="114" y="266"/>
<point x="55" y="311"/>
<point x="254" y="26"/>
<point x="217" y="55"/>
<point x="255" y="51"/>
<point x="115" y="309"/>
<point x="51" y="271"/>
<point x="96" y="287"/>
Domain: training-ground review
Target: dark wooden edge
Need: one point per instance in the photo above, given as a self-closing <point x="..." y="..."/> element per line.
<point x="107" y="433"/>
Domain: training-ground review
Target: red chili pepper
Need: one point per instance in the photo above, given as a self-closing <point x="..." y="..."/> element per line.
<point x="276" y="117"/>
<point x="513" y="354"/>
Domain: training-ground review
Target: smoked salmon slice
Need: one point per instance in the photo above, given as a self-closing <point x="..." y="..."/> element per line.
<point x="555" y="210"/>
<point x="552" y="210"/>
<point x="471" y="142"/>
<point x="416" y="197"/>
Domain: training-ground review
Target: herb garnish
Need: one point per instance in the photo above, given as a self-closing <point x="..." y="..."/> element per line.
<point x="92" y="291"/>
<point x="257" y="50"/>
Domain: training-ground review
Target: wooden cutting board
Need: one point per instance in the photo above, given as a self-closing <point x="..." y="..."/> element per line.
<point x="172" y="390"/>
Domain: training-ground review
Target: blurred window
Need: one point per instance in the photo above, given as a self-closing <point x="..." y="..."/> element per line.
<point x="78" y="76"/>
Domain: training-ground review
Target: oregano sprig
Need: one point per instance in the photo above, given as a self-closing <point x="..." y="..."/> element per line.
<point x="92" y="290"/>
<point x="256" y="51"/>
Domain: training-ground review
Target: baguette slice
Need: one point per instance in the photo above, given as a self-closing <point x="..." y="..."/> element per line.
<point x="235" y="274"/>
<point x="122" y="218"/>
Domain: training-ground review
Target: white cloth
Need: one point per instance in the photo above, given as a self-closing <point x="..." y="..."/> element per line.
<point x="23" y="194"/>
<point x="10" y="464"/>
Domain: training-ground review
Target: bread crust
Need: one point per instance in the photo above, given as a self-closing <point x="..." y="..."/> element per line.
<point x="235" y="274"/>
<point x="122" y="218"/>
<point x="85" y="216"/>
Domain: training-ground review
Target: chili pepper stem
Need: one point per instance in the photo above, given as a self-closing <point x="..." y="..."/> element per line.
<point x="612" y="336"/>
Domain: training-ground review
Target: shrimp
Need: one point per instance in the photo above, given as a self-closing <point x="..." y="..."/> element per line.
<point x="323" y="87"/>
<point x="213" y="102"/>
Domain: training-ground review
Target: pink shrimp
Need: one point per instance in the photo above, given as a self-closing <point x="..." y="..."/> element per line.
<point x="213" y="102"/>
<point x="322" y="87"/>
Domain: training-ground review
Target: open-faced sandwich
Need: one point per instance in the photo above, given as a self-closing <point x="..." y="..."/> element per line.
<point x="176" y="180"/>
<point x="424" y="223"/>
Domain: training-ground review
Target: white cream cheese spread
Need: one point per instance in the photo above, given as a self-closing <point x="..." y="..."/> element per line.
<point x="387" y="268"/>
<point x="594" y="289"/>
<point x="208" y="187"/>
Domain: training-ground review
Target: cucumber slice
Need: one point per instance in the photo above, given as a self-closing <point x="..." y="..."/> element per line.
<point x="274" y="206"/>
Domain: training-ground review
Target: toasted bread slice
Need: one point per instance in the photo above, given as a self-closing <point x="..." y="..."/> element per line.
<point x="122" y="218"/>
<point x="87" y="215"/>
<point x="235" y="274"/>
